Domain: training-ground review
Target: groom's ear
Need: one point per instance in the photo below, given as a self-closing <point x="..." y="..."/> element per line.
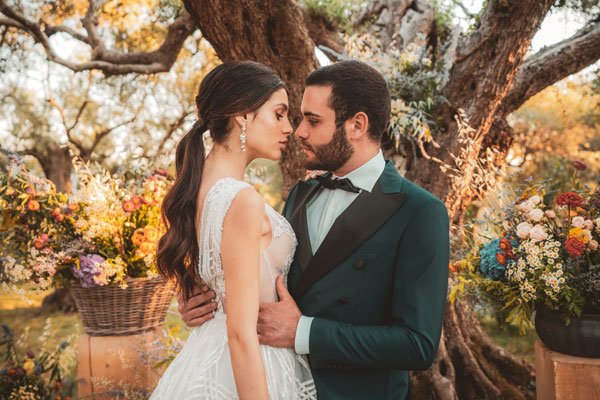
<point x="357" y="126"/>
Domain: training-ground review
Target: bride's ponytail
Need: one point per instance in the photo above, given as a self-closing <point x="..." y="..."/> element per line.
<point x="175" y="249"/>
<point x="232" y="88"/>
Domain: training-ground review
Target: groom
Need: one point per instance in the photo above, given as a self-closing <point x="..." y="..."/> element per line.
<point x="369" y="278"/>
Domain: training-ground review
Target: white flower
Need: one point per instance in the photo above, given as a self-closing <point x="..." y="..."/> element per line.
<point x="535" y="199"/>
<point x="578" y="222"/>
<point x="592" y="244"/>
<point x="550" y="214"/>
<point x="536" y="214"/>
<point x="598" y="222"/>
<point x="588" y="234"/>
<point x="588" y="224"/>
<point x="526" y="206"/>
<point x="523" y="230"/>
<point x="538" y="234"/>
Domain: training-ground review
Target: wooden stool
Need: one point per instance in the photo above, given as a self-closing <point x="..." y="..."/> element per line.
<point x="561" y="377"/>
<point x="116" y="367"/>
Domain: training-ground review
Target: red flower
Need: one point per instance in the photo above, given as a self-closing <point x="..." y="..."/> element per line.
<point x="56" y="213"/>
<point x="570" y="199"/>
<point x="158" y="171"/>
<point x="505" y="245"/>
<point x="39" y="243"/>
<point x="574" y="247"/>
<point x="511" y="255"/>
<point x="580" y="165"/>
<point x="501" y="258"/>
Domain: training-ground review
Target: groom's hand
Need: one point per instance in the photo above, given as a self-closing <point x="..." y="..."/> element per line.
<point x="197" y="309"/>
<point x="277" y="322"/>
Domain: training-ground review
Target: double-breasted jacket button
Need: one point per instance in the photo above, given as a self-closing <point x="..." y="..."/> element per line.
<point x="342" y="300"/>
<point x="359" y="264"/>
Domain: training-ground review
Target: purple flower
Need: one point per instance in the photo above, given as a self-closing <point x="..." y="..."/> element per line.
<point x="89" y="266"/>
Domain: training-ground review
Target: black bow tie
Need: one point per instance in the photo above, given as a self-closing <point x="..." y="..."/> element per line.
<point x="339" y="183"/>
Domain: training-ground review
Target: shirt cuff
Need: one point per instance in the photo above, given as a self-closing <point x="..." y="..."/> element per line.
<point x="301" y="341"/>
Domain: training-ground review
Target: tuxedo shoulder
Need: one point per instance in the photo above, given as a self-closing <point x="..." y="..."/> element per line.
<point x="419" y="194"/>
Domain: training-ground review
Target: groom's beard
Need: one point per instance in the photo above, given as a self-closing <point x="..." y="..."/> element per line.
<point x="331" y="156"/>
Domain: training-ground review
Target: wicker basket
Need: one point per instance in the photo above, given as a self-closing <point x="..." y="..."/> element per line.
<point x="112" y="311"/>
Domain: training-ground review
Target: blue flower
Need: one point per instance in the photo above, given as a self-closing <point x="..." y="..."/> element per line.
<point x="490" y="266"/>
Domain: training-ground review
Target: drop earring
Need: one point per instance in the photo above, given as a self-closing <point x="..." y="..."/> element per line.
<point x="243" y="136"/>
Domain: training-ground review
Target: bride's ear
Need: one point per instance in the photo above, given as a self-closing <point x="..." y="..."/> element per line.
<point x="241" y="119"/>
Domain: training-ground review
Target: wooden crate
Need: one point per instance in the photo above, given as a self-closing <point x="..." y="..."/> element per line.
<point x="563" y="377"/>
<point x="117" y="367"/>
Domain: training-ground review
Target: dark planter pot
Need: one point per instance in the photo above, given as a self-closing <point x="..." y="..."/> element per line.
<point x="581" y="338"/>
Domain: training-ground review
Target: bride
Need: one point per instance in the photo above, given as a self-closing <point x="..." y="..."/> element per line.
<point x="220" y="231"/>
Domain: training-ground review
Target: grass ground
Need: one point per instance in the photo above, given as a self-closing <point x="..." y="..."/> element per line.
<point x="37" y="328"/>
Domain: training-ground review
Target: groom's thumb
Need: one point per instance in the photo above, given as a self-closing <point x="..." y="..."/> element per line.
<point x="282" y="291"/>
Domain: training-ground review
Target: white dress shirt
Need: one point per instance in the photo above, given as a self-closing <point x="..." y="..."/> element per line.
<point x="322" y="211"/>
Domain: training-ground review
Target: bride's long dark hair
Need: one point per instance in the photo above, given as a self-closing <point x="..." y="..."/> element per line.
<point x="230" y="89"/>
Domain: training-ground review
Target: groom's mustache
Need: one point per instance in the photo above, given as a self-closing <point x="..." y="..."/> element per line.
<point x="306" y="145"/>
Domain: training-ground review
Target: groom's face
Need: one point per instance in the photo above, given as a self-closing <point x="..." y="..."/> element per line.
<point x="325" y="145"/>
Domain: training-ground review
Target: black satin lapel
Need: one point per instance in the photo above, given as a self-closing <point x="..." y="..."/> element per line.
<point x="299" y="224"/>
<point x="367" y="213"/>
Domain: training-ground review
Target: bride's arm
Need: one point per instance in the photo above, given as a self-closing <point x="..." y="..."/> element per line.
<point x="240" y="256"/>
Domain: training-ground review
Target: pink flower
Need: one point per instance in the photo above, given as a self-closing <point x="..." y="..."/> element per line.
<point x="536" y="214"/>
<point x="538" y="234"/>
<point x="578" y="222"/>
<point x="580" y="165"/>
<point x="526" y="206"/>
<point x="523" y="230"/>
<point x="592" y="244"/>
<point x="598" y="222"/>
<point x="550" y="214"/>
<point x="535" y="199"/>
<point x="588" y="224"/>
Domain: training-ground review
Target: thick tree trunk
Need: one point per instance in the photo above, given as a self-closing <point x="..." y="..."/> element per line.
<point x="481" y="77"/>
<point x="272" y="33"/>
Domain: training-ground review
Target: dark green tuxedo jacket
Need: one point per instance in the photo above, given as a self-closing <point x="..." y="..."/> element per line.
<point x="376" y="287"/>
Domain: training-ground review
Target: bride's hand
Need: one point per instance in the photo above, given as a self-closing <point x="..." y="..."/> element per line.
<point x="311" y="174"/>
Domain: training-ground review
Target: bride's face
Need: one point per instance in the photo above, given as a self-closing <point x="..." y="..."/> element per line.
<point x="267" y="133"/>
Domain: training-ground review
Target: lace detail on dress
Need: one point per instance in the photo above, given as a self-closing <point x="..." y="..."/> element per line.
<point x="202" y="369"/>
<point x="216" y="204"/>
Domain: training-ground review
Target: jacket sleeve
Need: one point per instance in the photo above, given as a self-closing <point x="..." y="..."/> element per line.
<point x="411" y="340"/>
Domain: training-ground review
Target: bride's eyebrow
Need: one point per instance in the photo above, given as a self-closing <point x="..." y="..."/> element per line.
<point x="285" y="107"/>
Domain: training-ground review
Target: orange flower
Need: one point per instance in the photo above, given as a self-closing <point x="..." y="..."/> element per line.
<point x="151" y="233"/>
<point x="33" y="205"/>
<point x="572" y="213"/>
<point x="452" y="268"/>
<point x="501" y="258"/>
<point x="73" y="207"/>
<point x="128" y="206"/>
<point x="56" y="212"/>
<point x="137" y="201"/>
<point x="146" y="200"/>
<point x="137" y="239"/>
<point x="505" y="244"/>
<point x="39" y="243"/>
<point x="146" y="248"/>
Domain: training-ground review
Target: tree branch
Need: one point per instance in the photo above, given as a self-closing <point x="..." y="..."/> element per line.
<point x="323" y="33"/>
<point x="553" y="64"/>
<point x="111" y="62"/>
<point x="172" y="128"/>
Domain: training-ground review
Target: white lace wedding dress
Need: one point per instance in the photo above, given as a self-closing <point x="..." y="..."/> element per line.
<point x="202" y="370"/>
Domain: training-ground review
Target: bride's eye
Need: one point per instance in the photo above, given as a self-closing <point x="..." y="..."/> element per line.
<point x="279" y="116"/>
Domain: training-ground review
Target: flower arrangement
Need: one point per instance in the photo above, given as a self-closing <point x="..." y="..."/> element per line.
<point x="542" y="252"/>
<point x="103" y="233"/>
<point x="25" y="376"/>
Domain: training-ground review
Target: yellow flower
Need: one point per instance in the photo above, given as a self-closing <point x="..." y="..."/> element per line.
<point x="579" y="234"/>
<point x="29" y="366"/>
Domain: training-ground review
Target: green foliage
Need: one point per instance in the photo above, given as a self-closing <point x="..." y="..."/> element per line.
<point x="337" y="12"/>
<point x="29" y="375"/>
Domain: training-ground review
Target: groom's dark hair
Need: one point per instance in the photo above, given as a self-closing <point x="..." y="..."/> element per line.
<point x="356" y="87"/>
